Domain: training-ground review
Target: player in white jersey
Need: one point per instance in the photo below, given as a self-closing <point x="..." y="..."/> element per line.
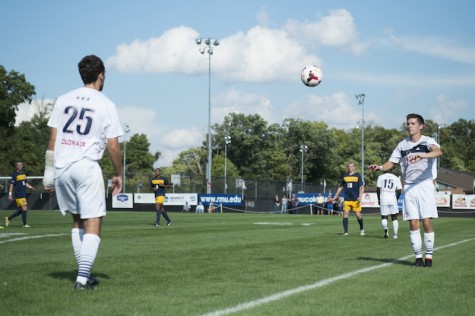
<point x="417" y="155"/>
<point x="389" y="189"/>
<point x="83" y="123"/>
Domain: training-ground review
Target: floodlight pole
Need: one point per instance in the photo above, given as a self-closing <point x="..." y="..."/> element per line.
<point x="126" y="131"/>
<point x="360" y="101"/>
<point x="208" y="42"/>
<point x="227" y="140"/>
<point x="303" y="149"/>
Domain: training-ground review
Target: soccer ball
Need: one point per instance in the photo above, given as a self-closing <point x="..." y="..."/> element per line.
<point x="311" y="76"/>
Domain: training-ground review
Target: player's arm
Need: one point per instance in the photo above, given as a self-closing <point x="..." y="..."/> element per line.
<point x="48" y="176"/>
<point x="337" y="193"/>
<point x="388" y="165"/>
<point x="113" y="147"/>
<point x="378" y="193"/>
<point x="398" y="193"/>
<point x="10" y="192"/>
<point x="360" y="197"/>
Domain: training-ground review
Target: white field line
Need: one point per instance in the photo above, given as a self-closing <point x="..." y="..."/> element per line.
<point x="31" y="237"/>
<point x="284" y="294"/>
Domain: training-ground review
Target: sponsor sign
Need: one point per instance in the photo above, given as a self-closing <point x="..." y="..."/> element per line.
<point x="463" y="201"/>
<point x="170" y="198"/>
<point x="123" y="200"/>
<point x="224" y="199"/>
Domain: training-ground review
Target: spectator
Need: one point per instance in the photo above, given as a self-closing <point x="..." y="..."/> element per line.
<point x="284" y="202"/>
<point x="330" y="204"/>
<point x="276" y="204"/>
<point x="200" y="208"/>
<point x="320" y="204"/>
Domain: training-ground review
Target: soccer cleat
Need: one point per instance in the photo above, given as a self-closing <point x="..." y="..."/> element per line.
<point x="1" y="227"/>
<point x="361" y="232"/>
<point x="169" y="223"/>
<point x="26" y="226"/>
<point x="418" y="263"/>
<point x="7" y="222"/>
<point x="428" y="263"/>
<point x="157" y="224"/>
<point x="345" y="234"/>
<point x="87" y="286"/>
<point x="395" y="236"/>
<point x="386" y="235"/>
<point x="92" y="281"/>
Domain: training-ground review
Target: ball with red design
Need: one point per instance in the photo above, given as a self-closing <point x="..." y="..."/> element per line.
<point x="311" y="76"/>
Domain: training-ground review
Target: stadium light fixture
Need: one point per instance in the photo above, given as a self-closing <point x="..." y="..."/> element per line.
<point x="126" y="131"/>
<point x="208" y="42"/>
<point x="360" y="101"/>
<point x="227" y="140"/>
<point x="303" y="149"/>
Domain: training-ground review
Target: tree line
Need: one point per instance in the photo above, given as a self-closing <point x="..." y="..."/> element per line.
<point x="258" y="149"/>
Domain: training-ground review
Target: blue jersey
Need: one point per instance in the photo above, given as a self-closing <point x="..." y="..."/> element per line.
<point x="158" y="182"/>
<point x="351" y="184"/>
<point x="19" y="184"/>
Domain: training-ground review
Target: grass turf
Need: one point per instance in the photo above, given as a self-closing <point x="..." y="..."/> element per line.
<point x="206" y="263"/>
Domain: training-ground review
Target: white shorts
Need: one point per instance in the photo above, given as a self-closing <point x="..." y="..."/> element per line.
<point x="80" y="190"/>
<point x="419" y="201"/>
<point x="389" y="209"/>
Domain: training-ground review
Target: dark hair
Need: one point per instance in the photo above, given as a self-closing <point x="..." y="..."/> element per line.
<point x="419" y="118"/>
<point x="90" y="67"/>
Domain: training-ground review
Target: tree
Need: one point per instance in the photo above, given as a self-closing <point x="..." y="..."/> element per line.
<point x="14" y="90"/>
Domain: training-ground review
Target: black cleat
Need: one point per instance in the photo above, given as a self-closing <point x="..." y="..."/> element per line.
<point x="92" y="281"/>
<point x="428" y="263"/>
<point x="79" y="286"/>
<point x="386" y="235"/>
<point x="418" y="263"/>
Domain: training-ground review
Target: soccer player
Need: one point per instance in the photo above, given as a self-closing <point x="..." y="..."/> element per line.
<point x="352" y="185"/>
<point x="18" y="185"/>
<point x="158" y="185"/>
<point x="417" y="155"/>
<point x="83" y="123"/>
<point x="388" y="190"/>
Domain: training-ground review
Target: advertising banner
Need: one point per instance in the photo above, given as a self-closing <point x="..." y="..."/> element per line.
<point x="224" y="199"/>
<point x="463" y="201"/>
<point x="123" y="200"/>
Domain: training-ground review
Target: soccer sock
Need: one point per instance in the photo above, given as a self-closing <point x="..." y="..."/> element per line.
<point x="360" y="221"/>
<point x="166" y="217"/>
<point x="90" y="245"/>
<point x="345" y="224"/>
<point x="384" y="223"/>
<point x="76" y="238"/>
<point x="23" y="217"/>
<point x="17" y="212"/>
<point x="416" y="242"/>
<point x="395" y="227"/>
<point x="429" y="244"/>
<point x="158" y="217"/>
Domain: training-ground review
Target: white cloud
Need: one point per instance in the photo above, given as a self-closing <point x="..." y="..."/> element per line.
<point x="448" y="109"/>
<point x="329" y="109"/>
<point x="334" y="30"/>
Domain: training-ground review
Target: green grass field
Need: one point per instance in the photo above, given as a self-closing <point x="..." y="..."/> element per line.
<point x="240" y="264"/>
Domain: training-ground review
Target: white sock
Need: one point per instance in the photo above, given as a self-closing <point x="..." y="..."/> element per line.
<point x="76" y="238"/>
<point x="395" y="227"/>
<point x="416" y="242"/>
<point x="429" y="244"/>
<point x="90" y="245"/>
<point x="384" y="223"/>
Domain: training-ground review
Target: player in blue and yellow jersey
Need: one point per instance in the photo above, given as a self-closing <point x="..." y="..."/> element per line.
<point x="158" y="185"/>
<point x="18" y="185"/>
<point x="353" y="187"/>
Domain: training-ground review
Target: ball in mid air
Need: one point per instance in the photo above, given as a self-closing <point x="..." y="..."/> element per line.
<point x="311" y="76"/>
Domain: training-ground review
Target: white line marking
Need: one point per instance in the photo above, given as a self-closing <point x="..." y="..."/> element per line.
<point x="31" y="237"/>
<point x="278" y="296"/>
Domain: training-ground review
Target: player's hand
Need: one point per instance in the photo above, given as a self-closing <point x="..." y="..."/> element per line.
<point x="49" y="189"/>
<point x="116" y="185"/>
<point x="374" y="167"/>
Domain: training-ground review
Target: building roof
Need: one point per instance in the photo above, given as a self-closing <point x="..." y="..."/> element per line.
<point x="457" y="179"/>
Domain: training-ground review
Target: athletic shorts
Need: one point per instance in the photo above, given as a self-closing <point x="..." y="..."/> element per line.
<point x="354" y="206"/>
<point x="80" y="190"/>
<point x="160" y="199"/>
<point x="419" y="201"/>
<point x="389" y="209"/>
<point x="21" y="202"/>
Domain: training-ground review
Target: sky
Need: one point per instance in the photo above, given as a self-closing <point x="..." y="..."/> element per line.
<point x="404" y="56"/>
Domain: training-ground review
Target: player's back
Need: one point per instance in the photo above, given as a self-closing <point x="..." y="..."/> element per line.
<point x="388" y="183"/>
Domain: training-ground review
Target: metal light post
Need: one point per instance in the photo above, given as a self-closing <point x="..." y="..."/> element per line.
<point x="438" y="141"/>
<point x="360" y="101"/>
<point x="227" y="140"/>
<point x="208" y="47"/>
<point x="126" y="131"/>
<point x="303" y="149"/>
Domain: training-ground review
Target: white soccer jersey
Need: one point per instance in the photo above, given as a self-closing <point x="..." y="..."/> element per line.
<point x="416" y="172"/>
<point x="84" y="118"/>
<point x="388" y="183"/>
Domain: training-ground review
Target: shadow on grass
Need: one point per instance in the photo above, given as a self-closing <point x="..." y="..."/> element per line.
<point x="71" y="275"/>
<point x="387" y="260"/>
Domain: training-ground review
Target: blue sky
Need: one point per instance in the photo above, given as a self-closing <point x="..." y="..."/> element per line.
<point x="405" y="56"/>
